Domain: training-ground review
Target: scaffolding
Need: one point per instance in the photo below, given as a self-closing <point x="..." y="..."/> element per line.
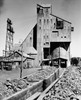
<point x="9" y="39"/>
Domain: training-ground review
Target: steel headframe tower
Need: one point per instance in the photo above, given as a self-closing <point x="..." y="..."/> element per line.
<point x="9" y="38"/>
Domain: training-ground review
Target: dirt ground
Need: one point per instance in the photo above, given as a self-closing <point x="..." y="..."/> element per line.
<point x="15" y="73"/>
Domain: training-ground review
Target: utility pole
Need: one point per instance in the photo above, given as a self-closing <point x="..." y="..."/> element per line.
<point x="21" y="67"/>
<point x="41" y="60"/>
<point x="59" y="62"/>
<point x="59" y="56"/>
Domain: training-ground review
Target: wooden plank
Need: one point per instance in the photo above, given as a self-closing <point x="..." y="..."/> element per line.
<point x="47" y="89"/>
<point x="34" y="96"/>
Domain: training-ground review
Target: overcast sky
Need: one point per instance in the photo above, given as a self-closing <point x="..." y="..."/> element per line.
<point x="23" y="15"/>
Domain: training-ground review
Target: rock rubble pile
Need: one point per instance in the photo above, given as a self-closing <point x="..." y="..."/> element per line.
<point x="68" y="87"/>
<point x="41" y="74"/>
<point x="10" y="87"/>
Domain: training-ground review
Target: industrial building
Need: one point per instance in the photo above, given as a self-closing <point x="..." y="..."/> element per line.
<point x="9" y="38"/>
<point x="48" y="41"/>
<point x="50" y="36"/>
<point x="13" y="55"/>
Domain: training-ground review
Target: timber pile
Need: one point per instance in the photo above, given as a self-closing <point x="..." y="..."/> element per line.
<point x="10" y="87"/>
<point x="68" y="87"/>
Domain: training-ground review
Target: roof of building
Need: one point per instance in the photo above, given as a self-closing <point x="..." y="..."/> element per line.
<point x="16" y="47"/>
<point x="49" y="5"/>
<point x="20" y="53"/>
<point x="44" y="5"/>
<point x="60" y="18"/>
<point x="54" y="59"/>
<point x="35" y="24"/>
<point x="59" y="58"/>
<point x="18" y="59"/>
<point x="31" y="50"/>
<point x="14" y="60"/>
<point x="24" y="54"/>
<point x="59" y="52"/>
<point x="46" y="60"/>
<point x="28" y="50"/>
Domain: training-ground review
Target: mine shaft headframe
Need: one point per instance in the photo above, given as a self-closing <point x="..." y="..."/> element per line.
<point x="9" y="23"/>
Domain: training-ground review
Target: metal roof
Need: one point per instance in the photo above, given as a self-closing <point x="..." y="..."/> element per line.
<point x="30" y="51"/>
<point x="61" y="18"/>
<point x="44" y="5"/>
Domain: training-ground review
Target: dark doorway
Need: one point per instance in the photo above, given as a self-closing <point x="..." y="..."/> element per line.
<point x="63" y="63"/>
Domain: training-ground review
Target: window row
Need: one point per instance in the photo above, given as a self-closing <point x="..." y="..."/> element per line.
<point x="46" y="21"/>
<point x="58" y="24"/>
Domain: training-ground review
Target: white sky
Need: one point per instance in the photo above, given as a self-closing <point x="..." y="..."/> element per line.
<point x="23" y="15"/>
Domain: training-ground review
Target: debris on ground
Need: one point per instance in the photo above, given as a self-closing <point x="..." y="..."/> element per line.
<point x="68" y="87"/>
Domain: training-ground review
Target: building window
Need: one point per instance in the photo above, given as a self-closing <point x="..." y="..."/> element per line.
<point x="44" y="30"/>
<point x="59" y="24"/>
<point x="9" y="39"/>
<point x="44" y="43"/>
<point x="65" y="27"/>
<point x="39" y="28"/>
<point x="39" y="21"/>
<point x="51" y="20"/>
<point x="41" y="11"/>
<point x="72" y="28"/>
<point x="47" y="11"/>
<point x="47" y="37"/>
<point x="30" y="38"/>
<point x="9" y="47"/>
<point x="54" y="25"/>
<point x="47" y="43"/>
<point x="64" y="36"/>
<point x="47" y="21"/>
<point x="44" y="36"/>
<point x="44" y="21"/>
<point x="57" y="33"/>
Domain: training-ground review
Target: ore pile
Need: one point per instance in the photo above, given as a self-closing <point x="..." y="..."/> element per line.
<point x="41" y="74"/>
<point x="68" y="87"/>
<point x="10" y="87"/>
